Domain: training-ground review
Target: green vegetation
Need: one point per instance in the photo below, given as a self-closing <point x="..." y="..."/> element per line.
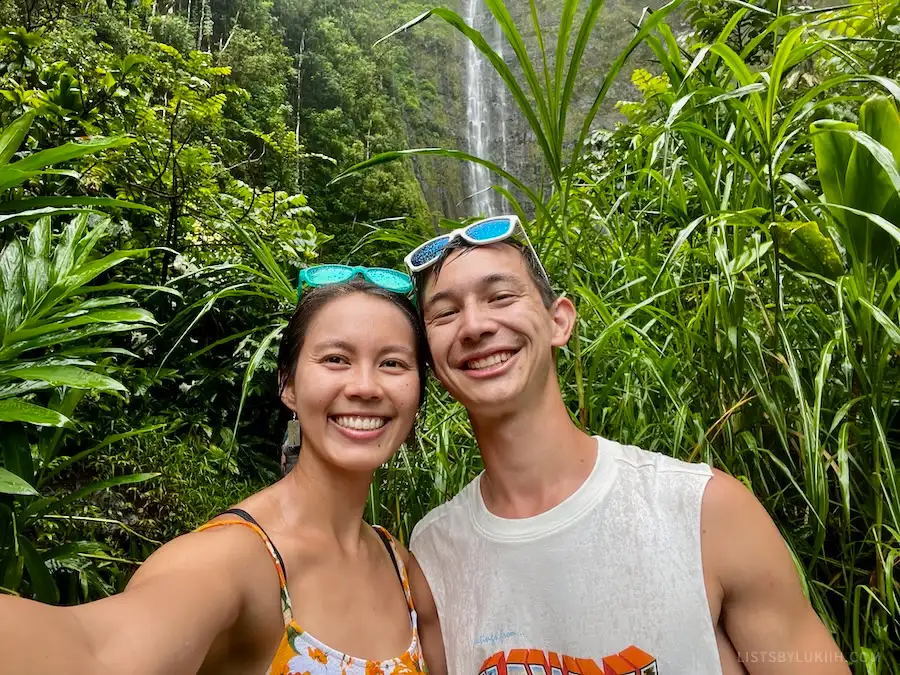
<point x="731" y="245"/>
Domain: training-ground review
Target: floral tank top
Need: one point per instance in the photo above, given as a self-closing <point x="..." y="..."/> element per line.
<point x="299" y="653"/>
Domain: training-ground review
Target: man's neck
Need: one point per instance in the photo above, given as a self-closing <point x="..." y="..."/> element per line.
<point x="534" y="458"/>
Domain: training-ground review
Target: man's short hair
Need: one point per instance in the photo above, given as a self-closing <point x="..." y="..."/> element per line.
<point x="532" y="264"/>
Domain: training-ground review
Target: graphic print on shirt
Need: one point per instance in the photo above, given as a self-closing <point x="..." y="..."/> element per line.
<point x="629" y="661"/>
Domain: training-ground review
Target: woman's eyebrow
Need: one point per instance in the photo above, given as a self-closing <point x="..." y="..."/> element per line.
<point x="334" y="343"/>
<point x="403" y="349"/>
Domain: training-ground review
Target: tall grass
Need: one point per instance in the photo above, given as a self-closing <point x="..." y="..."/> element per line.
<point x="730" y="310"/>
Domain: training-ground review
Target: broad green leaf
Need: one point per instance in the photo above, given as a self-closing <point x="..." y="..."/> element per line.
<point x="872" y="176"/>
<point x="86" y="273"/>
<point x="67" y="152"/>
<point x="17" y="410"/>
<point x="11" y="484"/>
<point x="64" y="254"/>
<point x="879" y="119"/>
<point x="10" y="178"/>
<point x="71" y="335"/>
<point x="31" y="214"/>
<point x="806" y="246"/>
<point x="86" y="244"/>
<point x="12" y="287"/>
<point x="16" y="452"/>
<point x="34" y="203"/>
<point x="42" y="585"/>
<point x="61" y="328"/>
<point x="12" y="137"/>
<point x="833" y="150"/>
<point x="37" y="262"/>
<point x="66" y="376"/>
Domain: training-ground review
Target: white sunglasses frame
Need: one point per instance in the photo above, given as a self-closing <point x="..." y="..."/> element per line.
<point x="461" y="232"/>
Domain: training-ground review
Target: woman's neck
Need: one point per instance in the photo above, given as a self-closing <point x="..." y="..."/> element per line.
<point x="331" y="500"/>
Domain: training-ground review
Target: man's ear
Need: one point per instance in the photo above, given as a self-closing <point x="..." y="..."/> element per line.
<point x="562" y="311"/>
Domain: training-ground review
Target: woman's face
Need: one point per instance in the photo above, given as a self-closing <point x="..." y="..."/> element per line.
<point x="356" y="386"/>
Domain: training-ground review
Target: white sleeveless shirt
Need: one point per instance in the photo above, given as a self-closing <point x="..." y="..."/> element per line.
<point x="609" y="582"/>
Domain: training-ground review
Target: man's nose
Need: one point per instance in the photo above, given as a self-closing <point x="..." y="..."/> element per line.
<point x="476" y="324"/>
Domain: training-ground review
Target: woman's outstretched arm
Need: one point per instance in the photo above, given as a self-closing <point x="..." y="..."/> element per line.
<point x="183" y="597"/>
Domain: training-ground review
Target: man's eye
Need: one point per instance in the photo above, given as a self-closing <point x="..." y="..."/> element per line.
<point x="502" y="296"/>
<point x="444" y="313"/>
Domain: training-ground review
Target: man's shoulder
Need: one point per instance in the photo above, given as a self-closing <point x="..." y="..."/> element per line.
<point x="445" y="516"/>
<point x="639" y="459"/>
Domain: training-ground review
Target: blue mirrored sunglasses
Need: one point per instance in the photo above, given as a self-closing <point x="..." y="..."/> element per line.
<point x="487" y="231"/>
<point x="325" y="275"/>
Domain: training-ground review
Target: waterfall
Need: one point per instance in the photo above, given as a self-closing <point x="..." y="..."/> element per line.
<point x="485" y="112"/>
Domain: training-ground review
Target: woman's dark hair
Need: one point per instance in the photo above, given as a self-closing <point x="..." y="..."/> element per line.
<point x="312" y="301"/>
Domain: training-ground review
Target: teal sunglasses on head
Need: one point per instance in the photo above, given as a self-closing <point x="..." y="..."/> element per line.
<point x="325" y="275"/>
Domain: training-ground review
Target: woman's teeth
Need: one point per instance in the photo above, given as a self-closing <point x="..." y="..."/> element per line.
<point x="488" y="361"/>
<point x="360" y="423"/>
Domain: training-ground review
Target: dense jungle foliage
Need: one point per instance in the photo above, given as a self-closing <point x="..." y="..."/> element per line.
<point x="718" y="191"/>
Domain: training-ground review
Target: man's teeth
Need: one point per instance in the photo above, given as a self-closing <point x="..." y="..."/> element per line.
<point x="360" y="423"/>
<point x="489" y="361"/>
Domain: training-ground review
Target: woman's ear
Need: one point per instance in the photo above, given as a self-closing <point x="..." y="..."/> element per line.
<point x="288" y="397"/>
<point x="562" y="311"/>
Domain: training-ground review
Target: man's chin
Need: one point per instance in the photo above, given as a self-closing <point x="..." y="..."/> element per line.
<point x="490" y="403"/>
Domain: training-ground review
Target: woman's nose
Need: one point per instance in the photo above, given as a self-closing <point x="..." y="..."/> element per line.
<point x="363" y="383"/>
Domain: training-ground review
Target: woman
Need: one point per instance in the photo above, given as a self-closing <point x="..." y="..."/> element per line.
<point x="292" y="580"/>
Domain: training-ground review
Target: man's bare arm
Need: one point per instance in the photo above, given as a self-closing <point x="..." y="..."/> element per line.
<point x="766" y="615"/>
<point x="429" y="622"/>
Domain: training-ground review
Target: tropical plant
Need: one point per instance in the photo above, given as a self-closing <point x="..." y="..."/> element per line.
<point x="53" y="323"/>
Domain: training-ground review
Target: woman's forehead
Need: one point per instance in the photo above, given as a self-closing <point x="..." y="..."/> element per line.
<point x="362" y="318"/>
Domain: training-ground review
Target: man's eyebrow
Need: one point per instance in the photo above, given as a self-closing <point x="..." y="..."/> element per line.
<point x="499" y="278"/>
<point x="489" y="280"/>
<point x="437" y="297"/>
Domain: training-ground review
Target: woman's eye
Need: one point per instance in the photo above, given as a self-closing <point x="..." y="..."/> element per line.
<point x="393" y="363"/>
<point x="335" y="359"/>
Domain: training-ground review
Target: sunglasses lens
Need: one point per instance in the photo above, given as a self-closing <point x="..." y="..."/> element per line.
<point x="392" y="280"/>
<point x="429" y="251"/>
<point x="328" y="274"/>
<point x="490" y="229"/>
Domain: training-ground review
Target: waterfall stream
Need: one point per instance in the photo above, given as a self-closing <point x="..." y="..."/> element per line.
<point x="485" y="112"/>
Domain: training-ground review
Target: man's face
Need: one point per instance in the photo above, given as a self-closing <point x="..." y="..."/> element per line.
<point x="490" y="335"/>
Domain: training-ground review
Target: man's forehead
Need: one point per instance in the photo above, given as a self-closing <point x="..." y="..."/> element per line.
<point x="479" y="265"/>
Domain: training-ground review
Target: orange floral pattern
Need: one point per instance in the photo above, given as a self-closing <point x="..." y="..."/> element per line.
<point x="299" y="653"/>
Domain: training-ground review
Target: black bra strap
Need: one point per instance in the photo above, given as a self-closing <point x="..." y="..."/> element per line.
<point x="243" y="515"/>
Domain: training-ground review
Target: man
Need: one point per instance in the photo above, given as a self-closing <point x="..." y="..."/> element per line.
<point x="573" y="554"/>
